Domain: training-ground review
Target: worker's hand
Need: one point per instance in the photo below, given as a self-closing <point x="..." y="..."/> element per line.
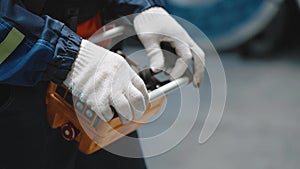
<point x="154" y="26"/>
<point x="102" y="79"/>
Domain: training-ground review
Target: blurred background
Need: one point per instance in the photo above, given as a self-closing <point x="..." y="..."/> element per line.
<point x="255" y="27"/>
<point x="259" y="44"/>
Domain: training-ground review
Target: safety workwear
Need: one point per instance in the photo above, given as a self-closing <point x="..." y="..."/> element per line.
<point x="46" y="53"/>
<point x="102" y="79"/>
<point x="47" y="37"/>
<point x="154" y="26"/>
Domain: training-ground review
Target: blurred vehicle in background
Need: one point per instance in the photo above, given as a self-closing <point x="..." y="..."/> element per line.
<point x="252" y="27"/>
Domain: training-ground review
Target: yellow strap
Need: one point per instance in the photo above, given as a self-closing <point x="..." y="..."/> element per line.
<point x="10" y="43"/>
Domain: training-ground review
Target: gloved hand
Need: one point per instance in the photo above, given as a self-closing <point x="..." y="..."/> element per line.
<point x="154" y="26"/>
<point x="102" y="79"/>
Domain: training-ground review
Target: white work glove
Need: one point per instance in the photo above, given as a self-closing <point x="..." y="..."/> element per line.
<point x="102" y="79"/>
<point x="154" y="26"/>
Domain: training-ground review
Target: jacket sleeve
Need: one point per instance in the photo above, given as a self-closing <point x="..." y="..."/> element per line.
<point x="33" y="48"/>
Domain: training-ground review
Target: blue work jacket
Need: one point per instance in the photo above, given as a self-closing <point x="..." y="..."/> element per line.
<point x="39" y="48"/>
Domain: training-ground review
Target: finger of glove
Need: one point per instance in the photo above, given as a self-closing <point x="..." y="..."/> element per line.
<point x="198" y="67"/>
<point x="182" y="63"/>
<point x="154" y="52"/>
<point x="123" y="119"/>
<point x="136" y="101"/>
<point x="139" y="84"/>
<point x="107" y="114"/>
<point x="122" y="106"/>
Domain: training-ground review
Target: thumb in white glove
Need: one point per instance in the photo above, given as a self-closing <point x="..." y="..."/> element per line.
<point x="102" y="79"/>
<point x="154" y="26"/>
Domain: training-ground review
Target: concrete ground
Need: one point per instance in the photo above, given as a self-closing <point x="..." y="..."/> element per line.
<point x="260" y="127"/>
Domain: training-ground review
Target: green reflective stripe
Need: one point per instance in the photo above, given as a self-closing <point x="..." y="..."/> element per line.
<point x="10" y="43"/>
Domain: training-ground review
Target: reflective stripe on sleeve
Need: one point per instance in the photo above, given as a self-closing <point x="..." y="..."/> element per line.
<point x="10" y="43"/>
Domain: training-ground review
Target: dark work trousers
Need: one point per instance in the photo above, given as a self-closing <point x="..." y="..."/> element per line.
<point x="27" y="141"/>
